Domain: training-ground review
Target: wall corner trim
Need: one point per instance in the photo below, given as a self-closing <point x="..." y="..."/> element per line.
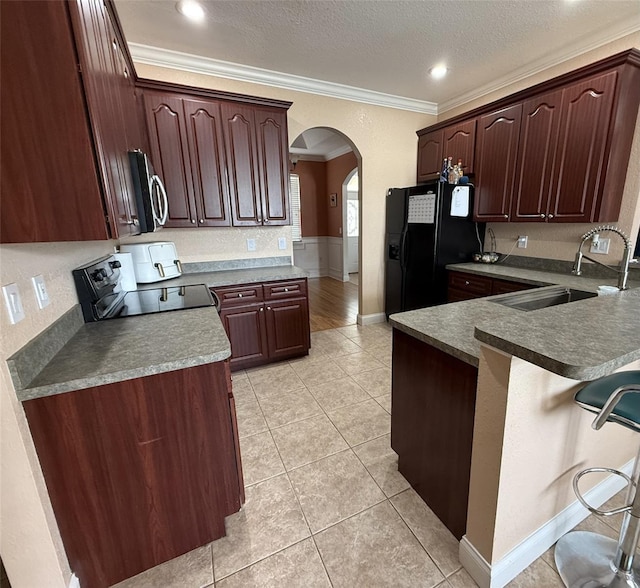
<point x="524" y="554"/>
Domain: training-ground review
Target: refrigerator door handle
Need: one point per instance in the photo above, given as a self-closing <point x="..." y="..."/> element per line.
<point x="403" y="242"/>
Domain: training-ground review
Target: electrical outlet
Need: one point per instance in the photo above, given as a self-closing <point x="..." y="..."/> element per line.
<point x="42" y="296"/>
<point x="251" y="244"/>
<point x="522" y="242"/>
<point x="600" y="246"/>
<point x="13" y="302"/>
<point x="282" y="242"/>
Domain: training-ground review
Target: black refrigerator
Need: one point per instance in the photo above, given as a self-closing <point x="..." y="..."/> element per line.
<point x="427" y="227"/>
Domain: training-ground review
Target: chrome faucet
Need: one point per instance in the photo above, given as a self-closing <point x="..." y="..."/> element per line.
<point x="623" y="271"/>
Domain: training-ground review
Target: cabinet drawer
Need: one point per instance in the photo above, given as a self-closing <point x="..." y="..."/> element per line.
<point x="478" y="285"/>
<point x="278" y="290"/>
<point x="231" y="295"/>
<point x="505" y="286"/>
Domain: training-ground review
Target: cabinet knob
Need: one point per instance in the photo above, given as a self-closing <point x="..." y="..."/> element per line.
<point x="286" y="289"/>
<point x="262" y="309"/>
<point x="239" y="295"/>
<point x="466" y="283"/>
<point x="201" y="220"/>
<point x="193" y="220"/>
<point x="268" y="308"/>
<point x="505" y="216"/>
<point x="550" y="216"/>
<point x="542" y="215"/>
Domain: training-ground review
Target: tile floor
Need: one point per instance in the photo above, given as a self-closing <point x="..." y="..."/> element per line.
<point x="325" y="504"/>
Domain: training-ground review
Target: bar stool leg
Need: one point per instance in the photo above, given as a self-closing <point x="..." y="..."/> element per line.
<point x="590" y="560"/>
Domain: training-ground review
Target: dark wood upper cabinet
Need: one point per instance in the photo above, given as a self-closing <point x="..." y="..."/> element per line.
<point x="50" y="187"/>
<point x="498" y="135"/>
<point x="536" y="156"/>
<point x="273" y="164"/>
<point x="430" y="156"/>
<point x="459" y="142"/>
<point x="456" y="141"/>
<point x="208" y="162"/>
<point x="569" y="152"/>
<point x="242" y="158"/>
<point x="581" y="160"/>
<point x="170" y="155"/>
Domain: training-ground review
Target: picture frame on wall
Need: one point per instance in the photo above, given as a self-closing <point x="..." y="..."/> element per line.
<point x="333" y="199"/>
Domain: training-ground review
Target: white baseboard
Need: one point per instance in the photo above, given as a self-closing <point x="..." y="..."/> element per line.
<point x="523" y="555"/>
<point x="336" y="273"/>
<point x="74" y="582"/>
<point x="370" y="319"/>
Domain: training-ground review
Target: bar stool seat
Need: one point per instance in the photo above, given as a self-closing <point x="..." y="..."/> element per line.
<point x="590" y="560"/>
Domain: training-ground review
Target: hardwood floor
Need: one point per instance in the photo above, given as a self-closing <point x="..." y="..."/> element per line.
<point x="332" y="304"/>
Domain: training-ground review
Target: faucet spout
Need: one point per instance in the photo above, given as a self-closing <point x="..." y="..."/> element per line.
<point x="622" y="271"/>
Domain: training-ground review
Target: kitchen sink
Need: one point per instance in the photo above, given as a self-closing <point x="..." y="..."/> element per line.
<point x="535" y="300"/>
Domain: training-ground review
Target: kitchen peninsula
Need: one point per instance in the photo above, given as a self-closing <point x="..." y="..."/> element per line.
<point x="483" y="414"/>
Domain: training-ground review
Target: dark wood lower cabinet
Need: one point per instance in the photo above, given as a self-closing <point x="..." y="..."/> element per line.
<point x="139" y="471"/>
<point x="265" y="322"/>
<point x="464" y="286"/>
<point x="433" y="400"/>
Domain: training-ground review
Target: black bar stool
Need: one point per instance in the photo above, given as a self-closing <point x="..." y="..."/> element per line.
<point x="590" y="560"/>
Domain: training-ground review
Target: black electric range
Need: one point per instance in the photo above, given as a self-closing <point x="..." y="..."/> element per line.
<point x="101" y="296"/>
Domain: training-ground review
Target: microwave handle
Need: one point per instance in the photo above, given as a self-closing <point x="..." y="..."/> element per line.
<point x="160" y="215"/>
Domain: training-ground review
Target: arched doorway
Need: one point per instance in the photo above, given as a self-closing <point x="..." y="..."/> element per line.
<point x="323" y="161"/>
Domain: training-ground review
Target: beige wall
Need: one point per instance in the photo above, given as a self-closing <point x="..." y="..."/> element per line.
<point x="560" y="241"/>
<point x="530" y="439"/>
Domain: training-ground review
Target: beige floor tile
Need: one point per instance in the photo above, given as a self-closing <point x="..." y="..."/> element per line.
<point x="260" y="458"/>
<point x="537" y="575"/>
<point x="338" y="348"/>
<point x="307" y="441"/>
<point x="375" y="548"/>
<point x="361" y="422"/>
<point x="250" y="419"/>
<point x="269" y="521"/>
<point x="333" y="489"/>
<point x="462" y="579"/>
<point x="288" y="407"/>
<point x="298" y="566"/>
<point x="243" y="391"/>
<point x="382" y="463"/>
<point x="372" y="340"/>
<point x="355" y="363"/>
<point x="314" y="355"/>
<point x="617" y="501"/>
<point x="239" y="375"/>
<point x="384" y="402"/>
<point x="338" y="393"/>
<point x="272" y="380"/>
<point x="438" y="541"/>
<point x="328" y="336"/>
<point x="191" y="570"/>
<point x="376" y="382"/>
<point x="383" y="353"/>
<point x="318" y="372"/>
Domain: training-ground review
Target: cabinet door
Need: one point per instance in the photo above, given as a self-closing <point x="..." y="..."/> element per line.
<point x="49" y="182"/>
<point x="460" y="143"/>
<point x="242" y="164"/>
<point x="287" y="328"/>
<point x="132" y="466"/>
<point x="498" y="135"/>
<point x="246" y="329"/>
<point x="581" y="161"/>
<point x="536" y="155"/>
<point x="430" y="156"/>
<point x="170" y="155"/>
<point x="273" y="164"/>
<point x="208" y="162"/>
<point x="102" y="80"/>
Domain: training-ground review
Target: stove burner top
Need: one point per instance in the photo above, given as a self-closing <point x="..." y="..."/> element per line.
<point x="162" y="300"/>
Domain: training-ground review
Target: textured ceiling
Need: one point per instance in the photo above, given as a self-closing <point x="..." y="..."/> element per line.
<point x="387" y="46"/>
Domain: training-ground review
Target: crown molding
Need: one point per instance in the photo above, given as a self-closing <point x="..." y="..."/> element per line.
<point x="534" y="68"/>
<point x="343" y="150"/>
<point x="157" y="56"/>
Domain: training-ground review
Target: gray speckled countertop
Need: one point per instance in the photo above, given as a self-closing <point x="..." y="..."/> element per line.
<point x="132" y="347"/>
<point x="582" y="340"/>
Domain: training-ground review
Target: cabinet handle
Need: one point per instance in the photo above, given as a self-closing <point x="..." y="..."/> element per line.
<point x="550" y="216"/>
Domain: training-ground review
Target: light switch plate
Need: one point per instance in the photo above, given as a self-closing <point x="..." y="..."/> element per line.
<point x="282" y="242"/>
<point x="13" y="302"/>
<point x="251" y="244"/>
<point x="42" y="296"/>
<point x="523" y="242"/>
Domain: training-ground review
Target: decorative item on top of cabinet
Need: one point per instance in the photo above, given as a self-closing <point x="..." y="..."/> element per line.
<point x="61" y="170"/>
<point x="456" y="141"/>
<point x="265" y="322"/>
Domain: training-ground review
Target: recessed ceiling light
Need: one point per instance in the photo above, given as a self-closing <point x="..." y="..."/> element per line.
<point x="438" y="71"/>
<point x="191" y="9"/>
